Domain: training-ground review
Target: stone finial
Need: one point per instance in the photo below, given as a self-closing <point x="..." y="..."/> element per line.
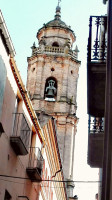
<point x="33" y="48"/>
<point x="59" y="2"/>
<point x="58" y="11"/>
<point x="76" y="51"/>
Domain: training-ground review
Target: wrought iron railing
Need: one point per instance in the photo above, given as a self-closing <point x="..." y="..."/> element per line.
<point x="95" y="125"/>
<point x="97" y="41"/>
<point x="36" y="159"/>
<point x="21" y="128"/>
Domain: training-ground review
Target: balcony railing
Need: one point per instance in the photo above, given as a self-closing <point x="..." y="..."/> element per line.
<point x="21" y="135"/>
<point x="95" y="142"/>
<point x="96" y="125"/>
<point x="35" y="165"/>
<point x="97" y="41"/>
<point x="96" y="65"/>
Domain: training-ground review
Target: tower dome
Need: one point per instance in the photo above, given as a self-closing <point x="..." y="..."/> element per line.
<point x="56" y="29"/>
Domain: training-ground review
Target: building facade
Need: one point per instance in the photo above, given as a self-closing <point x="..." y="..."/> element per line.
<point x="55" y="187"/>
<point x="29" y="154"/>
<point x="52" y="85"/>
<point x="17" y="128"/>
<point x="99" y="65"/>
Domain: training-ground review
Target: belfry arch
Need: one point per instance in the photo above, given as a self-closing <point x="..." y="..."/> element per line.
<point x="50" y="91"/>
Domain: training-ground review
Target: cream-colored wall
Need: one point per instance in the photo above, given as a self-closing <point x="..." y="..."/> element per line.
<point x="46" y="186"/>
<point x="52" y="165"/>
<point x="66" y="130"/>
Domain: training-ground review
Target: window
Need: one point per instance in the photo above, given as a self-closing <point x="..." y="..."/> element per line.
<point x="55" y="44"/>
<point x="7" y="195"/>
<point x="50" y="91"/>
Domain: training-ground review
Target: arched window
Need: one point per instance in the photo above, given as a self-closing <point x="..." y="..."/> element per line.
<point x="55" y="44"/>
<point x="50" y="91"/>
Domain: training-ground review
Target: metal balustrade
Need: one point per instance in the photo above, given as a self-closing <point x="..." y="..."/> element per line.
<point x="95" y="141"/>
<point x="96" y="65"/>
<point x="97" y="41"/>
<point x="21" y="134"/>
<point x="35" y="164"/>
<point x="95" y="125"/>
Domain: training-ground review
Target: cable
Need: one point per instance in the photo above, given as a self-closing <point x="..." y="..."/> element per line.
<point x="24" y="178"/>
<point x="43" y="186"/>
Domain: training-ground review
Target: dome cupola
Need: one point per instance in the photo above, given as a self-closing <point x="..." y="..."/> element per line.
<point x="56" y="31"/>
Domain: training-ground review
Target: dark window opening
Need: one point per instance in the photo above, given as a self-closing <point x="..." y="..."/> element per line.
<point x="1" y="129"/>
<point x="33" y="69"/>
<point x="52" y="69"/>
<point x="7" y="196"/>
<point x="71" y="71"/>
<point x="55" y="44"/>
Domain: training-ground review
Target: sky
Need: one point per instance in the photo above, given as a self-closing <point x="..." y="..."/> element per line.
<point x="23" y="19"/>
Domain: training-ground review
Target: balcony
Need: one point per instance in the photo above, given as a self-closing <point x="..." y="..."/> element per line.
<point x="35" y="165"/>
<point x="95" y="142"/>
<point x="21" y="135"/>
<point x="96" y="65"/>
<point x="55" y="50"/>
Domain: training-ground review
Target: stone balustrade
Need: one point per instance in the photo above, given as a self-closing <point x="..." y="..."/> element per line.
<point x="52" y="49"/>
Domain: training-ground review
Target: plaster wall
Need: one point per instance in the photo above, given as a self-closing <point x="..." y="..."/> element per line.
<point x="11" y="164"/>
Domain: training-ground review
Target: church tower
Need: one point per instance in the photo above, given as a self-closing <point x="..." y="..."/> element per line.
<point x="52" y="84"/>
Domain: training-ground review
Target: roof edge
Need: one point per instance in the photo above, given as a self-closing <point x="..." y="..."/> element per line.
<point x="27" y="100"/>
<point x="6" y="35"/>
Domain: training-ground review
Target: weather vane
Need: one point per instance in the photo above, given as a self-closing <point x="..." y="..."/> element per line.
<point x="59" y="2"/>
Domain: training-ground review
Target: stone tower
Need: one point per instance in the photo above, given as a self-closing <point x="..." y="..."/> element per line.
<point x="52" y="84"/>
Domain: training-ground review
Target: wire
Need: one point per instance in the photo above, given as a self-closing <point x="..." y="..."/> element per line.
<point x="43" y="186"/>
<point x="58" y="181"/>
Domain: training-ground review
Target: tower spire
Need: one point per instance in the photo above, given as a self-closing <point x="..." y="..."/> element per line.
<point x="59" y="2"/>
<point x="58" y="11"/>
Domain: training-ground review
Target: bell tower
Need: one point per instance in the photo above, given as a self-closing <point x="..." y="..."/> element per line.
<point x="52" y="84"/>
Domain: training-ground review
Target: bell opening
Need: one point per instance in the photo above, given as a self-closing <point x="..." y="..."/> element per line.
<point x="50" y="89"/>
